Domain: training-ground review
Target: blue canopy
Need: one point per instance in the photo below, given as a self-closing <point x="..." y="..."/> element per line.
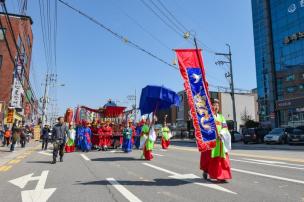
<point x="156" y="98"/>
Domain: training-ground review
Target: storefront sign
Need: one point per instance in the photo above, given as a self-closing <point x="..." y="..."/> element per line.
<point x="17" y="91"/>
<point x="294" y="37"/>
<point x="10" y="116"/>
<point x="291" y="103"/>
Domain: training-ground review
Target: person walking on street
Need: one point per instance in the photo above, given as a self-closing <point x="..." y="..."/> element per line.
<point x="45" y="137"/>
<point x="22" y="135"/>
<point x="2" y="134"/>
<point x="59" y="134"/>
<point x="16" y="135"/>
<point x="215" y="162"/>
<point x="7" y="136"/>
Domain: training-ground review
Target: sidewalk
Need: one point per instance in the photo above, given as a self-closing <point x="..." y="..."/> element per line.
<point x="240" y="145"/>
<point x="6" y="155"/>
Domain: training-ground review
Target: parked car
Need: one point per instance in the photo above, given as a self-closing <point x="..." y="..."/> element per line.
<point x="277" y="135"/>
<point x="296" y="136"/>
<point x="235" y="136"/>
<point x="255" y="135"/>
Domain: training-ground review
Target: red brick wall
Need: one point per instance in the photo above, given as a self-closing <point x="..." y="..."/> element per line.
<point x="22" y="27"/>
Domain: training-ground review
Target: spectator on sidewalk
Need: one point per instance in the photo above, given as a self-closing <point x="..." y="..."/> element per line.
<point x="45" y="137"/>
<point x="1" y="133"/>
<point x="22" y="135"/>
<point x="15" y="135"/>
<point x="7" y="136"/>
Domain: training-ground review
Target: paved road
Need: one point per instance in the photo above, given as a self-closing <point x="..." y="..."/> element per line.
<point x="174" y="175"/>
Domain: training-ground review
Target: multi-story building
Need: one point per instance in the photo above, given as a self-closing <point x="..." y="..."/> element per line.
<point x="279" y="52"/>
<point x="14" y="89"/>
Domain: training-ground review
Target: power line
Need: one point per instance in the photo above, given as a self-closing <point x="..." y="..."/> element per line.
<point x="143" y="28"/>
<point x="118" y="36"/>
<point x="170" y="13"/>
<point x="168" y="18"/>
<point x="159" y="17"/>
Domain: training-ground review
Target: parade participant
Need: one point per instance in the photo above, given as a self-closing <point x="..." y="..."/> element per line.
<point x="149" y="143"/>
<point x="45" y="136"/>
<point x="95" y="135"/>
<point x="107" y="133"/>
<point x="144" y="133"/>
<point x="70" y="144"/>
<point x="216" y="162"/>
<point x="59" y="134"/>
<point x="127" y="135"/>
<point x="165" y="131"/>
<point x="137" y="135"/>
<point x="84" y="137"/>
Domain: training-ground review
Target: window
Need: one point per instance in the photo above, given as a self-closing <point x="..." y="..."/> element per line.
<point x="290" y="77"/>
<point x="291" y="89"/>
<point x="301" y="86"/>
<point x="19" y="41"/>
<point x="1" y="33"/>
<point x="28" y="41"/>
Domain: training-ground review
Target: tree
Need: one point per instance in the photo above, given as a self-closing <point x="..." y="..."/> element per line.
<point x="245" y="116"/>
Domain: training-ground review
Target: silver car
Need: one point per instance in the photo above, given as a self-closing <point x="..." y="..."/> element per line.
<point x="277" y="135"/>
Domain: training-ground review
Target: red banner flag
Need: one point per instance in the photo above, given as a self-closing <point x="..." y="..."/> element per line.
<point x="192" y="70"/>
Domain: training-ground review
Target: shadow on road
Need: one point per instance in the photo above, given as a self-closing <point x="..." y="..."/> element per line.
<point x="155" y="182"/>
<point x="116" y="159"/>
<point x="39" y="162"/>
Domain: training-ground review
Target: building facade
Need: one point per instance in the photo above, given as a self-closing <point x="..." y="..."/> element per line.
<point x="279" y="52"/>
<point x="14" y="89"/>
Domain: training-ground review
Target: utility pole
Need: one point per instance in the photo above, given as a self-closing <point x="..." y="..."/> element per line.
<point x="131" y="98"/>
<point x="229" y="75"/>
<point x="45" y="99"/>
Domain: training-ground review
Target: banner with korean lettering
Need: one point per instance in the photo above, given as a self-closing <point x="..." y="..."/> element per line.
<point x="16" y="100"/>
<point x="192" y="70"/>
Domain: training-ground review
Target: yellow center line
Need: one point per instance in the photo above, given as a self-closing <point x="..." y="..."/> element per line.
<point x="14" y="161"/>
<point x="296" y="160"/>
<point x="5" y="168"/>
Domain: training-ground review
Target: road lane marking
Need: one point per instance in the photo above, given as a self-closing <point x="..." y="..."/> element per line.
<point x="84" y="157"/>
<point x="45" y="153"/>
<point x="295" y="160"/>
<point x="5" y="168"/>
<point x="275" y="162"/>
<point x="14" y="161"/>
<point x="21" y="157"/>
<point x="157" y="154"/>
<point x="189" y="178"/>
<point x="267" y="164"/>
<point x="126" y="193"/>
<point x="39" y="194"/>
<point x="160" y="169"/>
<point x="268" y="176"/>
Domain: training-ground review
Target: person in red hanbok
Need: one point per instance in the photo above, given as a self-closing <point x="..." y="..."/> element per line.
<point x="107" y="133"/>
<point x="215" y="162"/>
<point x="95" y="136"/>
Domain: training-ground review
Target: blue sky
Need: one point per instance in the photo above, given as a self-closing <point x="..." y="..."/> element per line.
<point x="95" y="66"/>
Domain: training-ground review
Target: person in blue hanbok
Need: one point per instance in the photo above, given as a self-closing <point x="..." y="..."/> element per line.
<point x="84" y="135"/>
<point x="127" y="135"/>
<point x="137" y="135"/>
